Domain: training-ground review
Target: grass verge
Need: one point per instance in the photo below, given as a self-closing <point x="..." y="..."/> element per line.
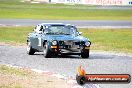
<point x="10" y="70"/>
<point x="102" y="39"/>
<point x="14" y="34"/>
<point x="13" y="78"/>
<point x="16" y="9"/>
<point x="110" y="39"/>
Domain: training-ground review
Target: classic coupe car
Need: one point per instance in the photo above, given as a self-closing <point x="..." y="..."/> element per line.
<point x="57" y="39"/>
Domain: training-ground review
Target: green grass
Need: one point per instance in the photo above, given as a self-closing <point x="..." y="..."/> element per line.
<point x="102" y="39"/>
<point x="14" y="34"/>
<point x="13" y="71"/>
<point x="110" y="39"/>
<point x="16" y="9"/>
<point x="16" y="86"/>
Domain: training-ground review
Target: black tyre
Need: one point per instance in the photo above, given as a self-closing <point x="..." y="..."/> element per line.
<point x="85" y="53"/>
<point x="81" y="80"/>
<point x="30" y="50"/>
<point x="47" y="53"/>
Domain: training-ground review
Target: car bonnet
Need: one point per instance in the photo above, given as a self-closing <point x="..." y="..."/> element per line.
<point x="65" y="37"/>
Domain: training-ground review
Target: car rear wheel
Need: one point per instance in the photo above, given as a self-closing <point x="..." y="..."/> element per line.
<point x="85" y="53"/>
<point x="30" y="50"/>
<point x="46" y="51"/>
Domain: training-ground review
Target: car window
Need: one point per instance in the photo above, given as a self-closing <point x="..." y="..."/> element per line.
<point x="61" y="29"/>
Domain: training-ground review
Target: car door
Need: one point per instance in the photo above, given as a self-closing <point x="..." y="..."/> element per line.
<point x="37" y="38"/>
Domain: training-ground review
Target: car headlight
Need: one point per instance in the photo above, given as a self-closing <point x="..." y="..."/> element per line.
<point x="87" y="43"/>
<point x="54" y="42"/>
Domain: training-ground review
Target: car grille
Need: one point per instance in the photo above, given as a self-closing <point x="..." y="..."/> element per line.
<point x="71" y="43"/>
<point x="68" y="42"/>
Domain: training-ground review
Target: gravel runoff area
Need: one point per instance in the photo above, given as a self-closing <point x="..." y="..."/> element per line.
<point x="100" y="62"/>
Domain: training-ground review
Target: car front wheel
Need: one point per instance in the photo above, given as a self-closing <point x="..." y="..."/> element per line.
<point x="85" y="53"/>
<point x="30" y="50"/>
<point x="46" y="51"/>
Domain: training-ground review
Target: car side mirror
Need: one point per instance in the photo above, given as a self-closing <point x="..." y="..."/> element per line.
<point x="80" y="33"/>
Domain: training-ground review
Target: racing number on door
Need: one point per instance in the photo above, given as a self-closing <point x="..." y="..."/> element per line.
<point x="39" y="41"/>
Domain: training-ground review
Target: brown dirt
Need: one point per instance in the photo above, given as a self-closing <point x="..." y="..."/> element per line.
<point x="35" y="80"/>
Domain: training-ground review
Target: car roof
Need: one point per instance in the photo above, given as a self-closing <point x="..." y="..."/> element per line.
<point x="58" y="24"/>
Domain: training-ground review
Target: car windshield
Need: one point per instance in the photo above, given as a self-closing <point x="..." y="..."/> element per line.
<point x="61" y="30"/>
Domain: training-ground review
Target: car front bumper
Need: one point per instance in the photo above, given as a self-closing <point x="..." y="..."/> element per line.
<point x="68" y="50"/>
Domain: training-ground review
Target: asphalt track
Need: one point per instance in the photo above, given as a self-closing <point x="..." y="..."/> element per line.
<point x="78" y="23"/>
<point x="99" y="62"/>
